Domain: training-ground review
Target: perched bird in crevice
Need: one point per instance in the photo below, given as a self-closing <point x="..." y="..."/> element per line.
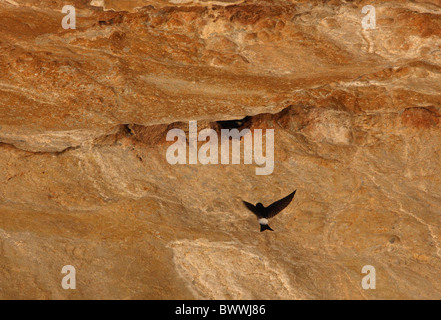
<point x="264" y="213"/>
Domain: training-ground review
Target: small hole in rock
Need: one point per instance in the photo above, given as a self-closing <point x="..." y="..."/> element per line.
<point x="234" y="124"/>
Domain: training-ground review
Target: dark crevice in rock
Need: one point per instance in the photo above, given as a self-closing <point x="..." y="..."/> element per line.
<point x="156" y="134"/>
<point x="56" y="153"/>
<point x="125" y="128"/>
<point x="293" y="118"/>
<point x="235" y="124"/>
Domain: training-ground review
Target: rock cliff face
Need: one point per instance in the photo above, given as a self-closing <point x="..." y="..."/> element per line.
<point x="85" y="181"/>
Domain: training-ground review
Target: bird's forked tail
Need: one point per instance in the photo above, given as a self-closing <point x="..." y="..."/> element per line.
<point x="264" y="227"/>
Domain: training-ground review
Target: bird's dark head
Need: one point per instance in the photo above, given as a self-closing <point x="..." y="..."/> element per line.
<point x="259" y="206"/>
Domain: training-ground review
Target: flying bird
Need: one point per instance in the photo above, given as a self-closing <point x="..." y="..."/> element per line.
<point x="264" y="213"/>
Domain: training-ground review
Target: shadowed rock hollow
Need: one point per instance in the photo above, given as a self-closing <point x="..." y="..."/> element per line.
<point x="85" y="182"/>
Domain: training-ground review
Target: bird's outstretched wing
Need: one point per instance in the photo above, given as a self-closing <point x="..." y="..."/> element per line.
<point x="252" y="208"/>
<point x="279" y="205"/>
